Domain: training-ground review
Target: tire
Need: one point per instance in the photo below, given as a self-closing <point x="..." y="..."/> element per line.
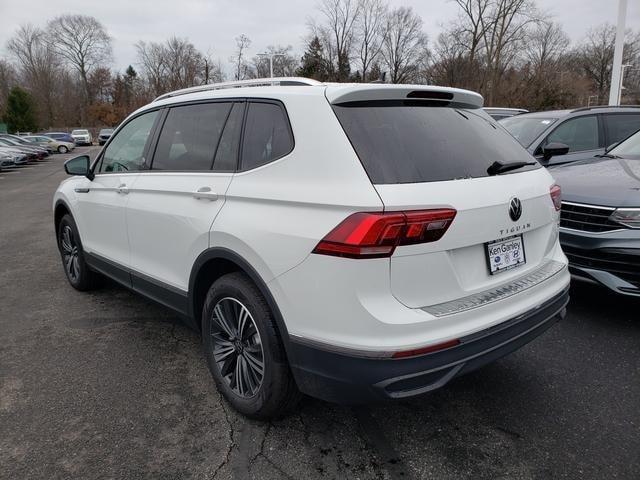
<point x="275" y="393"/>
<point x="62" y="149"/>
<point x="78" y="273"/>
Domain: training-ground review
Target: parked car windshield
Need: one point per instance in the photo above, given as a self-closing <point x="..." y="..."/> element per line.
<point x="526" y="129"/>
<point x="79" y="132"/>
<point x="403" y="141"/>
<point x="629" y="148"/>
<point x="106" y="131"/>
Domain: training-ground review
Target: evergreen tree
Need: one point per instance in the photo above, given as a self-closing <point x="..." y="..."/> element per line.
<point x="21" y="113"/>
<point x="313" y="62"/>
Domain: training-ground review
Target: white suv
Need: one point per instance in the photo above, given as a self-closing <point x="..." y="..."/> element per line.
<point x="353" y="242"/>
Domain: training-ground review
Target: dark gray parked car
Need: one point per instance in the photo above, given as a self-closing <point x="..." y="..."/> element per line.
<point x="600" y="217"/>
<point x="104" y="135"/>
<point x="563" y="136"/>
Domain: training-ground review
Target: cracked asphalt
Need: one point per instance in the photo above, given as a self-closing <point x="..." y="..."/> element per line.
<point x="109" y="385"/>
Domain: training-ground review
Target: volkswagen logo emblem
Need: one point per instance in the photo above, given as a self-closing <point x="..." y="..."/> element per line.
<point x="515" y="209"/>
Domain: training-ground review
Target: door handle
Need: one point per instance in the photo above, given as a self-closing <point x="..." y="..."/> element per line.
<point x="205" y="193"/>
<point x="122" y="188"/>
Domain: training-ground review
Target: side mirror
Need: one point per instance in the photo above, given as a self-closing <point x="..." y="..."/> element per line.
<point x="554" y="148"/>
<point x="79" y="166"/>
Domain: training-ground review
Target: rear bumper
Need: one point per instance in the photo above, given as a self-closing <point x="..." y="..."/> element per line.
<point x="611" y="259"/>
<point x="343" y="378"/>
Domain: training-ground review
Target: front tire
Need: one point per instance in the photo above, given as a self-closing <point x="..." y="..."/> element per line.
<point x="62" y="149"/>
<point x="78" y="273"/>
<point x="244" y="350"/>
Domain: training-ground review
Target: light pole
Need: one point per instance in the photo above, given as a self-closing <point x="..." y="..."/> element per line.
<point x="271" y="55"/>
<point x="617" y="70"/>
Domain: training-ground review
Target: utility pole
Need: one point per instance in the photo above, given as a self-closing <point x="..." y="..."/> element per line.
<point x="271" y="55"/>
<point x="616" y="71"/>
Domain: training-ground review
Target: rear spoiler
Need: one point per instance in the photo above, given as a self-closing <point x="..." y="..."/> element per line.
<point x="343" y="93"/>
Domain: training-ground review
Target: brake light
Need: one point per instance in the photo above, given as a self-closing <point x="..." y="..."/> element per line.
<point x="376" y="235"/>
<point x="556" y="196"/>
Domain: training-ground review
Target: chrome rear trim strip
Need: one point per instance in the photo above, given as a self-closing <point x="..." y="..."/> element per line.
<point x="486" y="297"/>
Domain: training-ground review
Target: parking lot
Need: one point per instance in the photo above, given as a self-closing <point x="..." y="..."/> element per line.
<point x="109" y="385"/>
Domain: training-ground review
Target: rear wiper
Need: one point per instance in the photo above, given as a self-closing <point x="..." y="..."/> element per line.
<point x="498" y="167"/>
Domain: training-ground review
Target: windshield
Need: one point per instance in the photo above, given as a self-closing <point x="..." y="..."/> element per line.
<point x="628" y="148"/>
<point x="404" y="141"/>
<point x="79" y="132"/>
<point x="106" y="130"/>
<point x="526" y="129"/>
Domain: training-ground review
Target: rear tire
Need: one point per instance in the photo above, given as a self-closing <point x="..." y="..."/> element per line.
<point x="244" y="350"/>
<point x="78" y="273"/>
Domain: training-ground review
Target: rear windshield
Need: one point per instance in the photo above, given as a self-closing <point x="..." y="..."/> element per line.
<point x="417" y="141"/>
<point x="526" y="129"/>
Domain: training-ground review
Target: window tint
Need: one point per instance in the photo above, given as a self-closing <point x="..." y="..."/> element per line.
<point x="579" y="133"/>
<point x="227" y="154"/>
<point x="621" y="126"/>
<point x="125" y="152"/>
<point x="416" y="141"/>
<point x="267" y="136"/>
<point x="190" y="136"/>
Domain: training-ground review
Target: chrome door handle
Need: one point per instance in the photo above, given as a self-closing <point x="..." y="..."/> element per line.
<point x="205" y="193"/>
<point x="122" y="188"/>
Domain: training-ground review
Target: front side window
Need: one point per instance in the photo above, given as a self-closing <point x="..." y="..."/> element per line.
<point x="190" y="136"/>
<point x="578" y="133"/>
<point x="621" y="126"/>
<point x="267" y="135"/>
<point x="125" y="153"/>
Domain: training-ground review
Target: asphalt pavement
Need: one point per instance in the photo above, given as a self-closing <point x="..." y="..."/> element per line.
<point x="109" y="385"/>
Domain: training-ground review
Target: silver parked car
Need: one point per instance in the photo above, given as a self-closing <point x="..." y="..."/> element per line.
<point x="51" y="144"/>
<point x="82" y="137"/>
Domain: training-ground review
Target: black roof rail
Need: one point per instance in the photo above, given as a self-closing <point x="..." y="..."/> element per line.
<point x="584" y="109"/>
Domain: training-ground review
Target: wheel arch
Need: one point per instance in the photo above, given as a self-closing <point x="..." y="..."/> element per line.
<point x="211" y="265"/>
<point x="60" y="210"/>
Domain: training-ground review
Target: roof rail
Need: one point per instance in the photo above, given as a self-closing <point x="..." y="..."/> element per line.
<point x="593" y="107"/>
<point x="254" y="82"/>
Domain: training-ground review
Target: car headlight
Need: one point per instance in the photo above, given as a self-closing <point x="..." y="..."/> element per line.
<point x="629" y="217"/>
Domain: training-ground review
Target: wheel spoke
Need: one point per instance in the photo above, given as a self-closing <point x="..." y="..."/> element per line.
<point x="254" y="360"/>
<point x="242" y="321"/>
<point x="222" y="321"/>
<point x="223" y="351"/>
<point x="238" y="375"/>
<point x="75" y="266"/>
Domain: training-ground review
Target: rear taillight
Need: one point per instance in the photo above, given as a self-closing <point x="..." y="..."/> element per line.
<point x="424" y="350"/>
<point x="376" y="235"/>
<point x="556" y="196"/>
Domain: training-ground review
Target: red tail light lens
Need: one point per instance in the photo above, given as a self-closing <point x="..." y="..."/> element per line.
<point x="376" y="235"/>
<point x="556" y="196"/>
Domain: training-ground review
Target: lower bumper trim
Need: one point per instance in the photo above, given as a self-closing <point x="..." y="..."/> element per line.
<point x="351" y="380"/>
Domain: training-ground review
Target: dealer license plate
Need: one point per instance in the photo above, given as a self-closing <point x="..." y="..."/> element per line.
<point x="505" y="254"/>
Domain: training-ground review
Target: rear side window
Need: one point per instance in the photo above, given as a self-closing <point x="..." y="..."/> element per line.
<point x="190" y="136"/>
<point x="579" y="133"/>
<point x="621" y="126"/>
<point x="267" y="135"/>
<point x="412" y="141"/>
<point x="227" y="154"/>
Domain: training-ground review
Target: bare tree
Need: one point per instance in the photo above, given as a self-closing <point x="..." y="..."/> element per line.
<point x="152" y="61"/>
<point x="39" y="67"/>
<point x="370" y="32"/>
<point x="240" y="64"/>
<point x="544" y="51"/>
<point x="405" y="45"/>
<point x="596" y="55"/>
<point x="82" y="41"/>
<point x="469" y="32"/>
<point x="337" y="33"/>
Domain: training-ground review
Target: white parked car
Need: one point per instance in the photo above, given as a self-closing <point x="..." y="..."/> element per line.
<point x="82" y="137"/>
<point x="354" y="242"/>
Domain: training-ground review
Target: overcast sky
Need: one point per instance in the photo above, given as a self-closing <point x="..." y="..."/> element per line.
<point x="212" y="24"/>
